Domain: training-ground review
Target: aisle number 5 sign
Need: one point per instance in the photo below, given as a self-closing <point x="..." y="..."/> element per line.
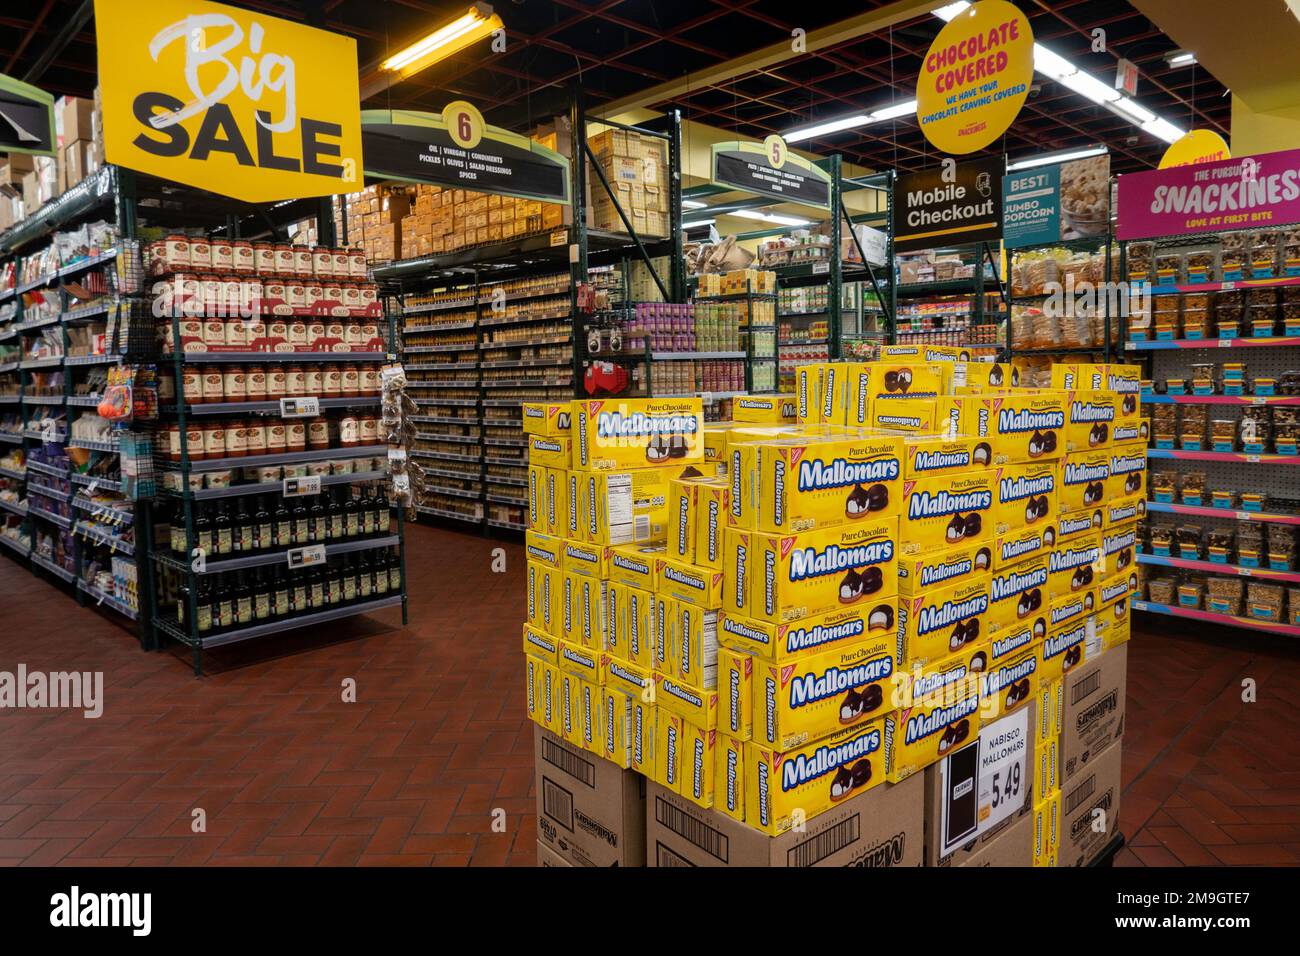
<point x="232" y="101"/>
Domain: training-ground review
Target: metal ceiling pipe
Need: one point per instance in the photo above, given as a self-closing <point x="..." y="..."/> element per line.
<point x="74" y="25"/>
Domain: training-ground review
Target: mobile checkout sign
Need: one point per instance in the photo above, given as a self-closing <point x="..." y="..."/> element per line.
<point x="228" y="100"/>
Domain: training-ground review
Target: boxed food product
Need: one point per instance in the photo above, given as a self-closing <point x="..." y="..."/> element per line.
<point x="689" y="583"/>
<point x="818" y="695"/>
<point x="1085" y="480"/>
<point x="926" y="455"/>
<point x="1010" y="684"/>
<point x="763" y="409"/>
<point x="1128" y="468"/>
<point x="1118" y="545"/>
<point x="1074" y="565"/>
<point x="938" y="622"/>
<point x="817" y="571"/>
<point x="543" y="597"/>
<point x="550" y="451"/>
<point x="948" y="679"/>
<point x="815" y="484"/>
<point x="728" y="777"/>
<point x="634" y="433"/>
<point x="918" y="416"/>
<point x="1064" y="649"/>
<point x="784" y="643"/>
<point x="917" y="573"/>
<point x="634" y="565"/>
<point x="782" y="787"/>
<point x="735" y="687"/>
<point x="924" y="353"/>
<point x="991" y="375"/>
<point x="919" y="735"/>
<point x="893" y="380"/>
<point x="627" y="507"/>
<point x="1090" y="418"/>
<point x="947" y="509"/>
<point x="546" y="418"/>
<point x="1017" y="593"/>
<point x="1023" y="426"/>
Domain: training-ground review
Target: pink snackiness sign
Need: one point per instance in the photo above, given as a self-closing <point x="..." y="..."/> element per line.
<point x="1240" y="193"/>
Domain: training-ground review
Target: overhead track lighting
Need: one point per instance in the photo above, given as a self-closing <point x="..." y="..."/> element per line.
<point x="477" y="22"/>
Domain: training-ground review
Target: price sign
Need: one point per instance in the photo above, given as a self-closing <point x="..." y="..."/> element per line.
<point x="821" y="268"/>
<point x="985" y="782"/>
<point x="559" y="237"/>
<point x="300" y="407"/>
<point x="296" y="487"/>
<point x="307" y="557"/>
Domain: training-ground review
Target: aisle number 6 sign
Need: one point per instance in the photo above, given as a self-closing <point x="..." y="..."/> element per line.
<point x="464" y="123"/>
<point x="775" y="150"/>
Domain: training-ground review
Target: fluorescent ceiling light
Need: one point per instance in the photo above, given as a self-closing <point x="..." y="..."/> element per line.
<point x="770" y="217"/>
<point x="834" y="126"/>
<point x="905" y="108"/>
<point x="1181" y="58"/>
<point x="1047" y="159"/>
<point x="474" y="24"/>
<point x="1085" y="84"/>
<point x="698" y="222"/>
<point x="1050" y="64"/>
<point x="1134" y="110"/>
<point x="693" y="204"/>
<point x="1163" y="129"/>
<point x="950" y="10"/>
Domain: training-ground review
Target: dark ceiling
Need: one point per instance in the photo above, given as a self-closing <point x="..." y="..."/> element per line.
<point x="617" y="47"/>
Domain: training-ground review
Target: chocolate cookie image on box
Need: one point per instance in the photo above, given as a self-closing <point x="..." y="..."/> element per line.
<point x="1120" y="607"/>
<point x="956" y="529"/>
<point x="1132" y="482"/>
<point x="973" y="525"/>
<point x="1096" y="519"/>
<point x="676" y="445"/>
<point x="873" y="579"/>
<point x="1130" y="404"/>
<point x="898" y="380"/>
<point x="1036" y="444"/>
<point x="855" y="506"/>
<point x="1017" y="692"/>
<point x="1087" y="601"/>
<point x="1049" y="537"/>
<point x="995" y="375"/>
<point x="1023" y="607"/>
<point x="983" y="557"/>
<point x="657" y="450"/>
<point x="881" y="618"/>
<point x="1049" y="442"/>
<point x="1092" y="494"/>
<point x="1081" y="578"/>
<point x="841" y="784"/>
<point x="983" y="454"/>
<point x="1098" y="434"/>
<point x="861" y="773"/>
<point x="1124" y="560"/>
<point x="851" y="707"/>
<point x="978" y="662"/>
<point x="1072" y="657"/>
<point x="851" y="587"/>
<point x="1040" y="628"/>
<point x="953" y="735"/>
<point x="690" y="471"/>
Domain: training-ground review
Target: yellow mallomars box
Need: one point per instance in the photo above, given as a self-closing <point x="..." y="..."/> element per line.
<point x="785" y="643"/>
<point x="576" y="504"/>
<point x="920" y="735"/>
<point x="701" y="746"/>
<point x="858" y="400"/>
<point x="711" y="505"/>
<point x="550" y="451"/>
<point x="927" y="455"/>
<point x="715" y="447"/>
<point x="582" y="609"/>
<point x="735" y="692"/>
<point x="763" y="409"/>
<point x="637" y="608"/>
<point x="663" y="643"/>
<point x="696" y="629"/>
<point x="1074" y="566"/>
<point x="808" y="394"/>
<point x="946" y="680"/>
<point x="1063" y="650"/>
<point x="589" y="559"/>
<point x="1090" y="420"/>
<point x="937" y="622"/>
<point x="1118" y="546"/>
<point x="782" y="788"/>
<point x="1129" y="431"/>
<point x="729" y="777"/>
<point x="644" y="737"/>
<point x="1073" y="525"/>
<point x="541" y="645"/>
<point x="1017" y="593"/>
<point x="696" y="705"/>
<point x="816" y="484"/>
<point x="549" y="714"/>
<point x="689" y="583"/>
<point x="1071" y="608"/>
<point x="681" y="515"/>
<point x="1023" y="426"/>
<point x="625" y="433"/>
<point x="537" y="497"/>
<point x="1010" y="642"/>
<point x="1123" y="511"/>
<point x="634" y="565"/>
<point x="813" y="572"/>
<point x="669" y="739"/>
<point x="569" y="704"/>
<point x="916" y="416"/>
<point x="1085" y="480"/>
<point x="628" y="677"/>
<point x="616" y="723"/>
<point x="1128" y="472"/>
<point x="1024" y="505"/>
<point x="627" y="507"/>
<point x="533" y="668"/>
<point x="586" y="662"/>
<point x="930" y="569"/>
<point x="990" y="375"/>
<point x="742" y="474"/>
<point x="546" y="418"/>
<point x="821" y="694"/>
<point x="591" y="728"/>
<point x="1011" y="684"/>
<point x="1124" y="379"/>
<point x="945" y="510"/>
<point x="923" y="353"/>
<point x="557" y="502"/>
<point x="892" y="380"/>
<point x="544" y="584"/>
<point x="544" y="548"/>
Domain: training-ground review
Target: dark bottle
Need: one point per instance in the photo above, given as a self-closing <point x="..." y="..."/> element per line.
<point x="351" y="516"/>
<point x="261" y="596"/>
<point x="383" y="512"/>
<point x="224" y="617"/>
<point x="335" y="511"/>
<point x="300" y="591"/>
<point x="263" y="528"/>
<point x="365" y="576"/>
<point x="177" y="537"/>
<point x="223" y="532"/>
<point x="319" y="521"/>
<point x="334" y="582"/>
<point x="369" y="514"/>
<point x="243" y="601"/>
<point x="301" y="524"/>
<point x="203" y="605"/>
<point x="381" y="574"/>
<point x="394" y="572"/>
<point x="243" y="528"/>
<point x="316" y="589"/>
<point x="283" y="523"/>
<point x="349" y="580"/>
<point x="203" y="529"/>
<point x="281" y="594"/>
<point x="182" y="604"/>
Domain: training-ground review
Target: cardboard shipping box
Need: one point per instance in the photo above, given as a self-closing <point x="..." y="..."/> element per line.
<point x="1090" y="809"/>
<point x="548" y="857"/>
<point x="589" y="811"/>
<point x="979" y="798"/>
<point x="879" y="828"/>
<point x="1093" y="717"/>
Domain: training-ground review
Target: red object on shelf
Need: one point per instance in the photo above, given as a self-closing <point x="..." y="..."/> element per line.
<point x="605" y="378"/>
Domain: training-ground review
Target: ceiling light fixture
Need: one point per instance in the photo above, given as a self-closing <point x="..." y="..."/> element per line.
<point x="477" y="22"/>
<point x="771" y="217"/>
<point x="1048" y="159"/>
<point x="893" y="111"/>
<point x="1180" y="58"/>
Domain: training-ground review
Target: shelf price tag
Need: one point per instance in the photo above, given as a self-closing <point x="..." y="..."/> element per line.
<point x="306" y="485"/>
<point x="821" y="268"/>
<point x="560" y="237"/>
<point x="1253" y="459"/>
<point x="307" y="557"/>
<point x="300" y="407"/>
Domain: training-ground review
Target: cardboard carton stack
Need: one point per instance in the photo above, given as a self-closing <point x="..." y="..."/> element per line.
<point x="879" y="613"/>
<point x="28" y="182"/>
<point x="636" y="168"/>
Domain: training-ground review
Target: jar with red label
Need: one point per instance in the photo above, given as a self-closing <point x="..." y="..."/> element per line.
<point x="369" y="426"/>
<point x="236" y="335"/>
<point x="191" y="385"/>
<point x="301" y="261"/>
<point x="200" y="255"/>
<point x="335" y="332"/>
<point x="254" y="332"/>
<point x="214" y="294"/>
<point x="333" y="380"/>
<point x="298" y="333"/>
<point x="351" y="297"/>
<point x="370" y="335"/>
<point x="236" y="440"/>
<point x="341" y="266"/>
<point x="318" y="433"/>
<point x="353" y="337"/>
<point x="276" y="383"/>
<point x="176" y="252"/>
<point x="349" y="431"/>
<point x="194" y="443"/>
<point x="250" y="295"/>
<point x="273" y="295"/>
<point x="232" y="294"/>
<point x="243" y="262"/>
<point x="254" y="436"/>
<point x="214" y="334"/>
<point x="369" y="297"/>
<point x="223" y="256"/>
<point x="322" y="262"/>
<point x="214" y="440"/>
<point x="264" y="258"/>
<point x="283" y="259"/>
<point x="277" y="331"/>
<point x="314" y="292"/>
<point x="312" y="380"/>
<point x="214" y="384"/>
<point x="351" y="381"/>
<point x="235" y="383"/>
<point x="316" y="335"/>
<point x="295" y="435"/>
<point x="356" y="263"/>
<point x="171" y="440"/>
<point x="276" y="436"/>
<point x="295" y="380"/>
<point x="371" y="379"/>
<point x="333" y="293"/>
<point x="255" y="383"/>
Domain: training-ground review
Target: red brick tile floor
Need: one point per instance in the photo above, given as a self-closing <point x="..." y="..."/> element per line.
<point x="432" y="765"/>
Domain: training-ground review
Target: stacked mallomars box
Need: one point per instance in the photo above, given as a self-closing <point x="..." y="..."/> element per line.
<point x="887" y="632"/>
